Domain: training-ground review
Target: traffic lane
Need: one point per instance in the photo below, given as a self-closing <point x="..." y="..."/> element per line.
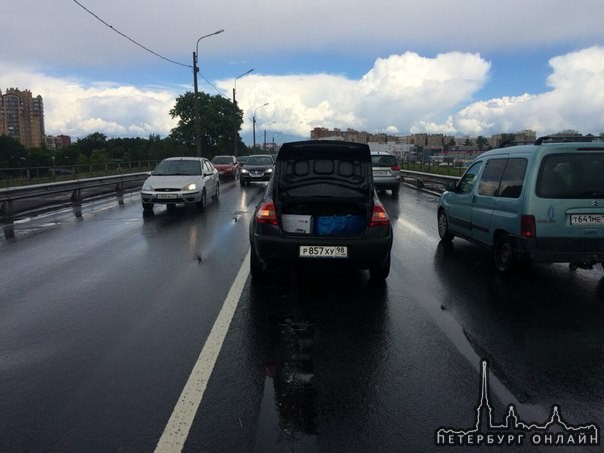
<point x="331" y="361"/>
<point x="102" y="319"/>
<point x="328" y="361"/>
<point x="539" y="328"/>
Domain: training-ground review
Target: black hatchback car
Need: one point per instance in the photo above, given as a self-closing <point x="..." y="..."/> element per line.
<point x="321" y="207"/>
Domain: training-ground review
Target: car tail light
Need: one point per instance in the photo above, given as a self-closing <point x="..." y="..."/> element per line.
<point x="266" y="213"/>
<point x="527" y="226"/>
<point x="395" y="168"/>
<point x="379" y="216"/>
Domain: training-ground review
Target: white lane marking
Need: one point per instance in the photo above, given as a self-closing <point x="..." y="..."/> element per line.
<point x="176" y="431"/>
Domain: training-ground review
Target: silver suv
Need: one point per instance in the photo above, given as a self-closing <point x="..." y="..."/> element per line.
<point x="386" y="172"/>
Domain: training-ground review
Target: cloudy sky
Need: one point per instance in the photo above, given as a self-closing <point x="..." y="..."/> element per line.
<point x="465" y="67"/>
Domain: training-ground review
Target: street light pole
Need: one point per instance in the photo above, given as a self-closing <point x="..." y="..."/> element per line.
<point x="235" y="112"/>
<point x="265" y="127"/>
<point x="196" y="100"/>
<point x="254" y="122"/>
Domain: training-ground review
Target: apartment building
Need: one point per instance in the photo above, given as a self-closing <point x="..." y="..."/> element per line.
<point x="54" y="143"/>
<point x="22" y="117"/>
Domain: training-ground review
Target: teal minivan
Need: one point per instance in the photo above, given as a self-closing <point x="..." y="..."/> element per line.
<point x="542" y="203"/>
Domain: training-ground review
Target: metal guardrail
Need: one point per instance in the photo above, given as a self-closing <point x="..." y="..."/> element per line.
<point x="9" y="196"/>
<point x="48" y="192"/>
<point x="428" y="180"/>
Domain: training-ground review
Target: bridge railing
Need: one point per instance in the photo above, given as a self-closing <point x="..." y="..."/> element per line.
<point x="428" y="181"/>
<point x="15" y="200"/>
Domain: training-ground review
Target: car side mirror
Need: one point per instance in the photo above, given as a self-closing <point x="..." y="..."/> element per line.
<point x="451" y="186"/>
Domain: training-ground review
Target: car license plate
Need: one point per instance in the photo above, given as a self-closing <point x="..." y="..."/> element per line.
<point x="323" y="251"/>
<point x="166" y="196"/>
<point x="587" y="219"/>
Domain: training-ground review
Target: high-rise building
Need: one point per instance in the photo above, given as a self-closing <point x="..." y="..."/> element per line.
<point x="22" y="117"/>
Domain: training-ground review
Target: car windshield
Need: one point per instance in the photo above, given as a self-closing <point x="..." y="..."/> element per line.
<point x="222" y="160"/>
<point x="259" y="160"/>
<point x="178" y="168"/>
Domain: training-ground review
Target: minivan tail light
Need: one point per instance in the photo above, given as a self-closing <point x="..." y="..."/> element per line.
<point x="266" y="214"/>
<point x="527" y="226"/>
<point x="379" y="216"/>
<point x="395" y="168"/>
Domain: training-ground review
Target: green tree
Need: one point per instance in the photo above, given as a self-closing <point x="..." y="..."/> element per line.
<point x="91" y="142"/>
<point x="37" y="157"/>
<point x="482" y="143"/>
<point x="12" y="152"/>
<point x="99" y="157"/>
<point x="507" y="139"/>
<point x="219" y="119"/>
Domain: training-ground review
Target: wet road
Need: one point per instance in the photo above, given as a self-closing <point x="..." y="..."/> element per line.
<point x="103" y="317"/>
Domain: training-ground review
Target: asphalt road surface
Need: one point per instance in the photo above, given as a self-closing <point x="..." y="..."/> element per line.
<point x="120" y="332"/>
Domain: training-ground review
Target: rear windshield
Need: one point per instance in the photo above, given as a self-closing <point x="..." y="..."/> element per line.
<point x="577" y="175"/>
<point x="383" y="161"/>
<point x="222" y="160"/>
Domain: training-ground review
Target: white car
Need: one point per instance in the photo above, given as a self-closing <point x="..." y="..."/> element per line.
<point x="181" y="180"/>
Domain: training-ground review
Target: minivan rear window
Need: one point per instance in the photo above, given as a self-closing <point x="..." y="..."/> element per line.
<point x="577" y="175"/>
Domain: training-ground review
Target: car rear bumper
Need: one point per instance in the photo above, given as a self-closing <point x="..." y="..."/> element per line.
<point x="274" y="250"/>
<point x="561" y="250"/>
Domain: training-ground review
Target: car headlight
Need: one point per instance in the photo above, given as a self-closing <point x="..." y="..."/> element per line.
<point x="270" y="170"/>
<point x="147" y="186"/>
<point x="243" y="170"/>
<point x="191" y="186"/>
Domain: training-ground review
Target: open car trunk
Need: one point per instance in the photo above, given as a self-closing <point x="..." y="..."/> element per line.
<point x="324" y="189"/>
<point x="324" y="217"/>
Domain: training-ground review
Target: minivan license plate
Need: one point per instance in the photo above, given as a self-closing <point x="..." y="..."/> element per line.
<point x="587" y="219"/>
<point x="323" y="251"/>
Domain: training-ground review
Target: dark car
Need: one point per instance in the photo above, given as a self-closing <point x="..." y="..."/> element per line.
<point x="257" y="168"/>
<point x="321" y="207"/>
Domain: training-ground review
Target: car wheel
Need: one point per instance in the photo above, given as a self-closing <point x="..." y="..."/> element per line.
<point x="443" y="227"/>
<point x="503" y="253"/>
<point x="242" y="182"/>
<point x="381" y="271"/>
<point x="256" y="268"/>
<point x="201" y="204"/>
<point x="147" y="207"/>
<point x="395" y="190"/>
<point x="217" y="193"/>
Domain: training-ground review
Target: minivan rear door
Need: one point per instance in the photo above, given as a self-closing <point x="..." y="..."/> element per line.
<point x="570" y="187"/>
